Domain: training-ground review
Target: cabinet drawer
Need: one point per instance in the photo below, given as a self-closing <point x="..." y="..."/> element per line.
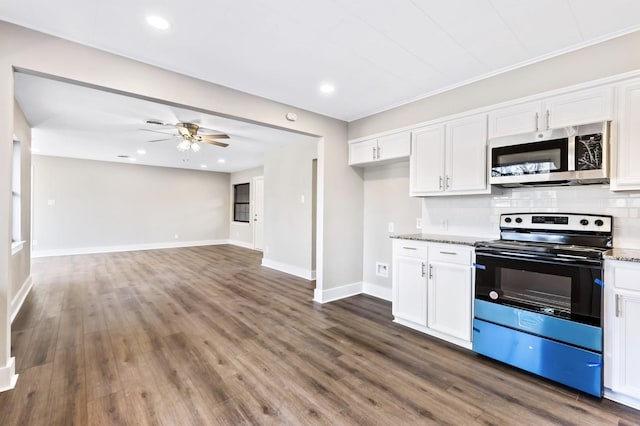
<point x="409" y="249"/>
<point x="626" y="276"/>
<point x="450" y="254"/>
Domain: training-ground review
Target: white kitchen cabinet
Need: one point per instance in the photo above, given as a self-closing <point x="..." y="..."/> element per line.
<point x="384" y="148"/>
<point x="625" y="173"/>
<point x="450" y="158"/>
<point x="581" y="107"/>
<point x="450" y="291"/>
<point x="622" y="332"/>
<point x="433" y="289"/>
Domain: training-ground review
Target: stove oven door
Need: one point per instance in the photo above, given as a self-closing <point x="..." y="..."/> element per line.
<point x="564" y="288"/>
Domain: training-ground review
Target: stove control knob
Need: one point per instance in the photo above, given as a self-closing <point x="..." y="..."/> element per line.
<point x="584" y="222"/>
<point x="507" y="219"/>
<point x="518" y="220"/>
<point x="598" y="222"/>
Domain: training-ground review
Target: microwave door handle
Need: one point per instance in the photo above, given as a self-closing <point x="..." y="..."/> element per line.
<point x="537" y="121"/>
<point x="571" y="155"/>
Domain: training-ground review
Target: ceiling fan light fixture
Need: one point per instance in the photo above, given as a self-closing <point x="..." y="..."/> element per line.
<point x="158" y="22"/>
<point x="184" y="145"/>
<point x="195" y="147"/>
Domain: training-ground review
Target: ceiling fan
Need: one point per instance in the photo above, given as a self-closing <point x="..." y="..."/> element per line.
<point x="188" y="133"/>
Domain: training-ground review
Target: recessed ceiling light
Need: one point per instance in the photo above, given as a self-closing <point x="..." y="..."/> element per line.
<point x="141" y="151"/>
<point x="327" y="88"/>
<point x="158" y="22"/>
<point x="203" y="166"/>
<point x="221" y="160"/>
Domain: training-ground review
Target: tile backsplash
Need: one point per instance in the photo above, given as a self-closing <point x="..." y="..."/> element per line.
<point x="478" y="215"/>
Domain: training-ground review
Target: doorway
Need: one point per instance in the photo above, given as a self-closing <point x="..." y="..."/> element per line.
<point x="258" y="213"/>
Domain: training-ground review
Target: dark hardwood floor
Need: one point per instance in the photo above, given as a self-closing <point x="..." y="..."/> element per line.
<point x="207" y="336"/>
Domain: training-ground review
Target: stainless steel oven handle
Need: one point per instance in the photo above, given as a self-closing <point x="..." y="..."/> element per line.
<point x="559" y="260"/>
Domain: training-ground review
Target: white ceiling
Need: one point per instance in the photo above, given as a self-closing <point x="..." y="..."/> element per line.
<point x="79" y="122"/>
<point x="377" y="53"/>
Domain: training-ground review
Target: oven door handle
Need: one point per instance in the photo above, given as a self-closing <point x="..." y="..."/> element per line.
<point x="546" y="259"/>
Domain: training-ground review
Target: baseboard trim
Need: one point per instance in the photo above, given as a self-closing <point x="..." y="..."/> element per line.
<point x="377" y="290"/>
<point x="8" y="376"/>
<point x="18" y="300"/>
<point x="622" y="399"/>
<point x="242" y="244"/>
<point x="131" y="247"/>
<point x="307" y="274"/>
<point x="337" y="293"/>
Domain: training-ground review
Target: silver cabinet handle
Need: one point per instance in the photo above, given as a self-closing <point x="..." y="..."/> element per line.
<point x="422" y="269"/>
<point x="548" y="114"/>
<point x="448" y="182"/>
<point x="618" y="311"/>
<point x="537" y="124"/>
<point x="440" y="182"/>
<point x="374" y="153"/>
<point x="430" y="272"/>
<point x="449" y="252"/>
<point x="378" y="153"/>
<point x="410" y="248"/>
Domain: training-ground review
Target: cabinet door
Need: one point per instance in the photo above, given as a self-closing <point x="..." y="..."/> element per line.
<point x="410" y="289"/>
<point x="522" y="118"/>
<point x="466" y="166"/>
<point x="362" y="152"/>
<point x="449" y="299"/>
<point x="626" y="344"/>
<point x="626" y="151"/>
<point x="586" y="106"/>
<point x="397" y="145"/>
<point x="426" y="168"/>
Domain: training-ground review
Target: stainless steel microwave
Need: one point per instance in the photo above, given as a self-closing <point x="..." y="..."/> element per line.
<point x="574" y="155"/>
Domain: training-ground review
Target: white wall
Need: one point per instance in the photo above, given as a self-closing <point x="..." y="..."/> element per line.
<point x="386" y="199"/>
<point x="288" y="178"/>
<point x="478" y="215"/>
<point x="21" y="261"/>
<point x="102" y="205"/>
<point x="242" y="233"/>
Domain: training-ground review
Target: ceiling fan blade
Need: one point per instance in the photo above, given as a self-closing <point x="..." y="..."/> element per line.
<point x="158" y="131"/>
<point x="158" y="122"/>
<point x="220" y="136"/>
<point x="161" y="140"/>
<point x="222" y="144"/>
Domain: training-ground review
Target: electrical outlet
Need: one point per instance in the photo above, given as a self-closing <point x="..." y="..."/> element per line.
<point x="34" y="243"/>
<point x="419" y="223"/>
<point x="51" y="202"/>
<point x="176" y="236"/>
<point x="390" y="226"/>
<point x="382" y="269"/>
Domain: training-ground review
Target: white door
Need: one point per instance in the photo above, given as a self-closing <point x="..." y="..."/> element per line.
<point x="513" y="120"/>
<point x="363" y="152"/>
<point x="397" y="145"/>
<point x="410" y="292"/>
<point x="258" y="212"/>
<point x="466" y="169"/>
<point x="449" y="297"/>
<point x="626" y="337"/>
<point x="625" y="170"/>
<point x="426" y="168"/>
<point x="586" y="106"/>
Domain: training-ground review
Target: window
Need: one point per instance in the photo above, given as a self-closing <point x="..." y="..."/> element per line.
<point x="241" y="202"/>
<point x="16" y="235"/>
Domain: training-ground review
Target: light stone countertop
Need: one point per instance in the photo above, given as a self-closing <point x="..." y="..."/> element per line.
<point x="446" y="239"/>
<point x="628" y="255"/>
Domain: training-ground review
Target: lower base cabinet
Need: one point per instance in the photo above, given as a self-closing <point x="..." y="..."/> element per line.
<point x="433" y="289"/>
<point x="622" y="332"/>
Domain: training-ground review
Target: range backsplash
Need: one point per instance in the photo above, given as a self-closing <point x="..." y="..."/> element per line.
<point x="478" y="215"/>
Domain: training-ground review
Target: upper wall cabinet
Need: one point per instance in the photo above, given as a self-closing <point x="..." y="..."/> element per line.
<point x="390" y="147"/>
<point x="450" y="158"/>
<point x="626" y="149"/>
<point x="582" y="107"/>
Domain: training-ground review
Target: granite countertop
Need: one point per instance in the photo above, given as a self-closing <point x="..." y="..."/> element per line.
<point x="447" y="239"/>
<point x="629" y="255"/>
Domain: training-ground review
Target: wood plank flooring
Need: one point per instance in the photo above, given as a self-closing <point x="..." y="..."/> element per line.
<point x="206" y="336"/>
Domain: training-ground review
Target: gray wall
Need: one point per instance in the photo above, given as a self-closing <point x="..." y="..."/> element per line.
<point x="598" y="61"/>
<point x="386" y="199"/>
<point x="21" y="261"/>
<point x="242" y="232"/>
<point x="104" y="204"/>
<point x="288" y="176"/>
